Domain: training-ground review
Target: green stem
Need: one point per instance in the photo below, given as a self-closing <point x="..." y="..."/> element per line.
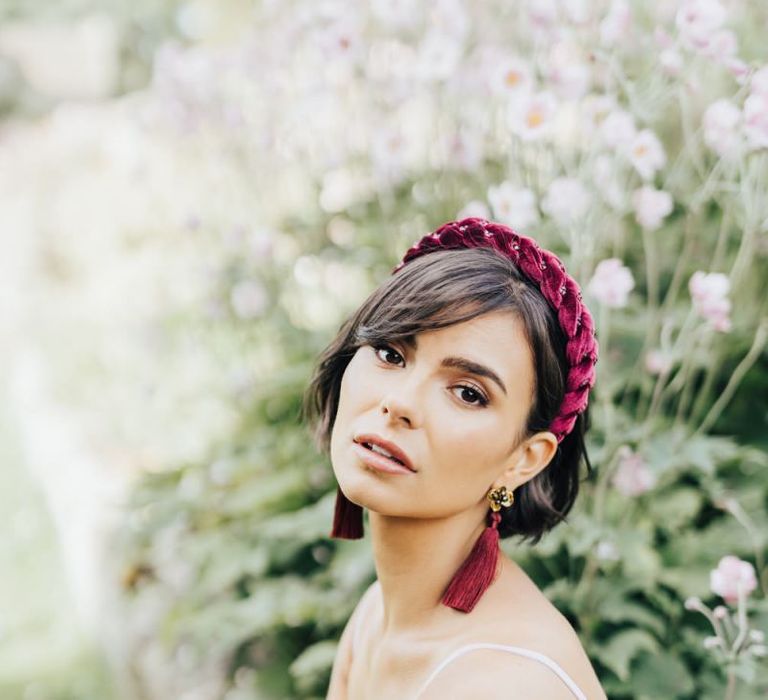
<point x="735" y="509"/>
<point x="730" y="691"/>
<point x="652" y="282"/>
<point x="738" y="374"/>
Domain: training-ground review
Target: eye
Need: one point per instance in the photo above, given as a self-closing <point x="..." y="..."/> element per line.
<point x="386" y="349"/>
<point x="480" y="399"/>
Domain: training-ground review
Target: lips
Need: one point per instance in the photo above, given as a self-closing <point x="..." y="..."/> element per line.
<point x="369" y="439"/>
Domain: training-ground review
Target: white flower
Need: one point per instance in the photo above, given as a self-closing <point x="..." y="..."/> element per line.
<point x="577" y="11"/>
<point x="633" y="477"/>
<point x="616" y="25"/>
<point x="697" y="20"/>
<point x="618" y="129"/>
<point x="514" y="206"/>
<point x="475" y="208"/>
<point x="510" y="75"/>
<point x="756" y="120"/>
<point x="709" y="293"/>
<point x="721" y="122"/>
<point x="651" y="206"/>
<point x="567" y="200"/>
<point x="608" y="183"/>
<point x="607" y="551"/>
<point x="671" y="61"/>
<point x="439" y="54"/>
<point x="611" y="283"/>
<point x="396" y="13"/>
<point x="647" y="154"/>
<point x="531" y="117"/>
<point x="567" y="74"/>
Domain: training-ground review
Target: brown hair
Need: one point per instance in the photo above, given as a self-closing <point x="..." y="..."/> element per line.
<point x="438" y="290"/>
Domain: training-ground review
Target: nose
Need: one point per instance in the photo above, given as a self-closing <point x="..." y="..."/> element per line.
<point x="399" y="411"/>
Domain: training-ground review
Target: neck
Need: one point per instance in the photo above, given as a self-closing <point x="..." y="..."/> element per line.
<point x="416" y="558"/>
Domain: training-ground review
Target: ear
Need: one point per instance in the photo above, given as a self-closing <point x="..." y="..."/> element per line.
<point x="528" y="459"/>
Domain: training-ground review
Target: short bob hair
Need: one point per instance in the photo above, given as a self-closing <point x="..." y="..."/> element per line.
<point x="440" y="289"/>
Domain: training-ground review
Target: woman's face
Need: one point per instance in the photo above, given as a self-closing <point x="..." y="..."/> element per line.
<point x="458" y="429"/>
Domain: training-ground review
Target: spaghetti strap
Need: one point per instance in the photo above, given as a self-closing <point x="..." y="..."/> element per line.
<point x="520" y="651"/>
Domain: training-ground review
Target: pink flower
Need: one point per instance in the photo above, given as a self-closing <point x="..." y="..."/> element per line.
<point x="697" y="20"/>
<point x="709" y="293"/>
<point x="657" y="362"/>
<point x="633" y="477"/>
<point x="543" y="13"/>
<point x="721" y="127"/>
<point x="647" y="154"/>
<point x="532" y="116"/>
<point x="738" y="69"/>
<point x="731" y="577"/>
<point x="566" y="200"/>
<point x="756" y="120"/>
<point x="651" y="206"/>
<point x="611" y="283"/>
<point x="720" y="45"/>
<point x="514" y="206"/>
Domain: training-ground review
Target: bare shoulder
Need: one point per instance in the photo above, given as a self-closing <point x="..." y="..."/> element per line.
<point x="337" y="688"/>
<point x="487" y="672"/>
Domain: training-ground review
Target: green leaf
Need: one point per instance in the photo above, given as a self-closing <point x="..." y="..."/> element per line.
<point x="661" y="676"/>
<point x="618" y="653"/>
<point x="313" y="664"/>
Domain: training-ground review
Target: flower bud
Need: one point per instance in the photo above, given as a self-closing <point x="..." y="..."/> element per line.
<point x="712" y="642"/>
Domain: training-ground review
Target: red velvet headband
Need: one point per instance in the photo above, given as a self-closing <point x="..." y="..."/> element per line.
<point x="562" y="292"/>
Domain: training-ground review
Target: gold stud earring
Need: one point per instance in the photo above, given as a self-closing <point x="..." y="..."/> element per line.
<point x="500" y="497"/>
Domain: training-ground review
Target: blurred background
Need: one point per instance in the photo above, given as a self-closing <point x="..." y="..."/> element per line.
<point x="194" y="196"/>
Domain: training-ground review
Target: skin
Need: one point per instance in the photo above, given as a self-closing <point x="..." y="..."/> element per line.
<point x="423" y="525"/>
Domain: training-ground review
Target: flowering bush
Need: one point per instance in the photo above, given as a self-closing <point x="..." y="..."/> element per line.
<point x="270" y="181"/>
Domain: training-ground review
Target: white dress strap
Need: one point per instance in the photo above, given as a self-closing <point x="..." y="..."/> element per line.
<point x="520" y="651"/>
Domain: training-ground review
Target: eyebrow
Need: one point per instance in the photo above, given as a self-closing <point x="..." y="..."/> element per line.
<point x="463" y="364"/>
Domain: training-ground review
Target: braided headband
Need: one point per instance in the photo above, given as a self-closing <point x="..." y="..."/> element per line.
<point x="547" y="272"/>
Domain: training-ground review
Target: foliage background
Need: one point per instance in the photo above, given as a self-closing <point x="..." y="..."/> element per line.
<point x="195" y="195"/>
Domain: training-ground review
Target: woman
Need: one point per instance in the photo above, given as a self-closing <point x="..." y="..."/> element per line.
<point x="453" y="405"/>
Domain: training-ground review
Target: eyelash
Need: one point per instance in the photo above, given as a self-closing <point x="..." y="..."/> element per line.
<point x="483" y="400"/>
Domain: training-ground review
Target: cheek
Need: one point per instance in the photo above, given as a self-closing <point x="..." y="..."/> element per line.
<point x="351" y="392"/>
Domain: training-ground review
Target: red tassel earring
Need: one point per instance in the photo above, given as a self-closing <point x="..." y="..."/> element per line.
<point x="479" y="568"/>
<point x="347" y="519"/>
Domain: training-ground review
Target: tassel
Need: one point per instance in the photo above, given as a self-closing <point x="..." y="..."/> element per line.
<point x="477" y="572"/>
<point x="347" y="519"/>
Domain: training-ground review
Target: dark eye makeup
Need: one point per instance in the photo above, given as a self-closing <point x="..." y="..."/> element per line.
<point x="481" y="399"/>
